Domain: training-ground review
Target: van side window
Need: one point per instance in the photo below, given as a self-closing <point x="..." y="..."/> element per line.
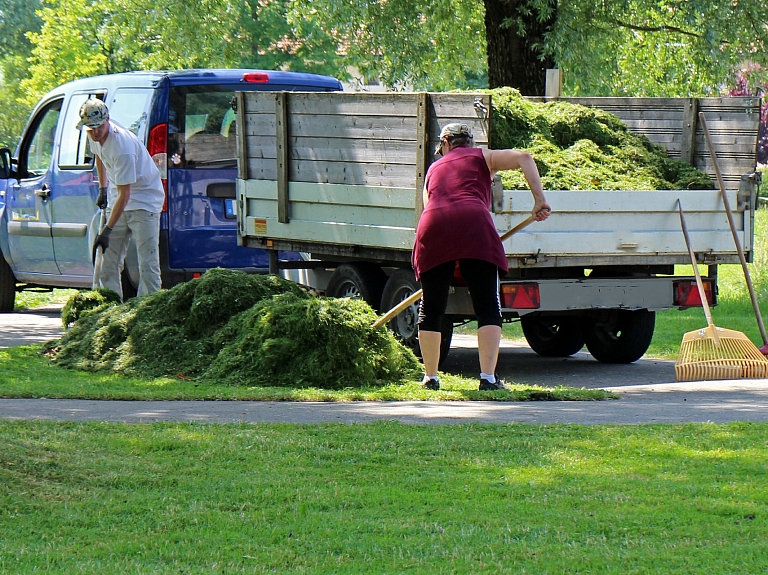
<point x="129" y="109"/>
<point x="74" y="152"/>
<point x="201" y="127"/>
<point x="37" y="148"/>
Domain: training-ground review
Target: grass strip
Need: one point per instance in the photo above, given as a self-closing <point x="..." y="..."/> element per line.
<point x="382" y="498"/>
<point x="26" y="373"/>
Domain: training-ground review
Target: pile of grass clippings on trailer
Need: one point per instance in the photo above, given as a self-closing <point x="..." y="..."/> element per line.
<point x="235" y="328"/>
<point x="581" y="148"/>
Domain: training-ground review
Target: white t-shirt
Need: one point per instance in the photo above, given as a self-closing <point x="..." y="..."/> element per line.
<point x="128" y="162"/>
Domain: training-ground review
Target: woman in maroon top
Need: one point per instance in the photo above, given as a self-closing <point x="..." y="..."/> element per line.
<point x="456" y="225"/>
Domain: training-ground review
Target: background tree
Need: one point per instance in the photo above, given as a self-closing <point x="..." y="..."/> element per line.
<point x="515" y="31"/>
<point x="603" y="47"/>
<point x="421" y="44"/>
<point x="17" y="18"/>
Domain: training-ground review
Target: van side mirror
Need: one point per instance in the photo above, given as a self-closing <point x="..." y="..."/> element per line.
<point x="5" y="163"/>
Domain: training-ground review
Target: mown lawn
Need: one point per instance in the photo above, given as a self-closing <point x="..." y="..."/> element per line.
<point x="382" y="498"/>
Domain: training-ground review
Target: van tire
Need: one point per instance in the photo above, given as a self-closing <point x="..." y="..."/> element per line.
<point x="7" y="286"/>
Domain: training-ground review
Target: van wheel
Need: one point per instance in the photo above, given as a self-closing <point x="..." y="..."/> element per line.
<point x="552" y="336"/>
<point x="362" y="280"/>
<point x="400" y="286"/>
<point x="7" y="286"/>
<point x="617" y="335"/>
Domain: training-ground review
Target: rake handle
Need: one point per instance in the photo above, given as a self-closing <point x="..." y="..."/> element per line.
<point x="695" y="264"/>
<point x="734" y="233"/>
<point x="414" y="297"/>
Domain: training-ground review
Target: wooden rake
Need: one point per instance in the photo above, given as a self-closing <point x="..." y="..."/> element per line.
<point x="715" y="352"/>
<point x="416" y="296"/>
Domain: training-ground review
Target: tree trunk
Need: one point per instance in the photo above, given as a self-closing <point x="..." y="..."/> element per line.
<point x="512" y="58"/>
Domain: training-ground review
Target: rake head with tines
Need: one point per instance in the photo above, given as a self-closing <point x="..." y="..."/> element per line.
<point x="719" y="353"/>
<point x="715" y="352"/>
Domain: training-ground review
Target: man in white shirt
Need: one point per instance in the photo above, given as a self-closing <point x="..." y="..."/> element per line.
<point x="132" y="182"/>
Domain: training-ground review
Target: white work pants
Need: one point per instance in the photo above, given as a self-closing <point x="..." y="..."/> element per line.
<point x="144" y="227"/>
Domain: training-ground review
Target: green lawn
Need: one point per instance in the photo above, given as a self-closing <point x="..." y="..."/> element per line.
<point x="382" y="498"/>
<point x="26" y="373"/>
<point x="35" y="298"/>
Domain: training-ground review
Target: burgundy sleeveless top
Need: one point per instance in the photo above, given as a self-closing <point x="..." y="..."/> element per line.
<point x="457" y="224"/>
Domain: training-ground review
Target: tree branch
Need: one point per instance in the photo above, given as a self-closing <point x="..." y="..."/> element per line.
<point x="664" y="28"/>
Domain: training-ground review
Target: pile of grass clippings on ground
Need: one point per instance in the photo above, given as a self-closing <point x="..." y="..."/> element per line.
<point x="86" y="302"/>
<point x="581" y="148"/>
<point x="236" y="328"/>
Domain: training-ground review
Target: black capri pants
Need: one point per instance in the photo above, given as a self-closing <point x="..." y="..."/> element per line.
<point x="482" y="279"/>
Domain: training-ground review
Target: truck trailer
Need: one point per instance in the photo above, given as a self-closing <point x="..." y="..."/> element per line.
<point x="339" y="178"/>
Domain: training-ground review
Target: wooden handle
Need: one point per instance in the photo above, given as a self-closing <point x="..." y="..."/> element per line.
<point x="99" y="254"/>
<point x="413" y="298"/>
<point x="734" y="233"/>
<point x="529" y="220"/>
<point x="695" y="264"/>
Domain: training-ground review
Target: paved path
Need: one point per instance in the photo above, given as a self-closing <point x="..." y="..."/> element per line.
<point x="647" y="389"/>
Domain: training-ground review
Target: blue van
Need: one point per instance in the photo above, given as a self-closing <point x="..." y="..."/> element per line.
<point x="48" y="189"/>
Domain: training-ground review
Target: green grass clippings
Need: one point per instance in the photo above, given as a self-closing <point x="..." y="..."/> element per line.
<point x="581" y="148"/>
<point x="87" y="302"/>
<point x="232" y="327"/>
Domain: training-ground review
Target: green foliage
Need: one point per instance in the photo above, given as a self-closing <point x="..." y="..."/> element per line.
<point x="86" y="302"/>
<point x="427" y="44"/>
<point x="580" y="148"/>
<point x="17" y="18"/>
<point x="664" y="48"/>
<point x="233" y="327"/>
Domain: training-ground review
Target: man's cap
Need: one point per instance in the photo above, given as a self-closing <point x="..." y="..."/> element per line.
<point x="93" y="113"/>
<point x="453" y="130"/>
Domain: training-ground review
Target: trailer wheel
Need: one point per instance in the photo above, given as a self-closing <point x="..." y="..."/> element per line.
<point x="553" y="336"/>
<point x="7" y="286"/>
<point x="361" y="280"/>
<point x="400" y="286"/>
<point x="619" y="336"/>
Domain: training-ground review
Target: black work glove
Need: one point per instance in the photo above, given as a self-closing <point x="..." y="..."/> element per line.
<point x="102" y="240"/>
<point x="101" y="200"/>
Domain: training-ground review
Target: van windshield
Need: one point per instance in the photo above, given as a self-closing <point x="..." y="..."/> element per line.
<point x="201" y="127"/>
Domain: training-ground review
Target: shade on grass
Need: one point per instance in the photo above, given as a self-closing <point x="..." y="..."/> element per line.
<point x="581" y="148"/>
<point x="234" y="327"/>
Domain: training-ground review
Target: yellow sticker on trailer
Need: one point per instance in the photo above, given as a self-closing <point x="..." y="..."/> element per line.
<point x="260" y="226"/>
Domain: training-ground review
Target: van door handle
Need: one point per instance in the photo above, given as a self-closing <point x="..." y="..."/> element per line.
<point x="43" y="192"/>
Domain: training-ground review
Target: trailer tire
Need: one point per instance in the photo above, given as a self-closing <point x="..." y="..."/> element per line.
<point x="361" y="280"/>
<point x="553" y="336"/>
<point x="402" y="284"/>
<point x="7" y="286"/>
<point x="619" y="336"/>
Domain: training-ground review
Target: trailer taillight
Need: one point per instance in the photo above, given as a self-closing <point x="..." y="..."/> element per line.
<point x="256" y="77"/>
<point x="520" y="296"/>
<point x="686" y="293"/>
<point x="157" y="146"/>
